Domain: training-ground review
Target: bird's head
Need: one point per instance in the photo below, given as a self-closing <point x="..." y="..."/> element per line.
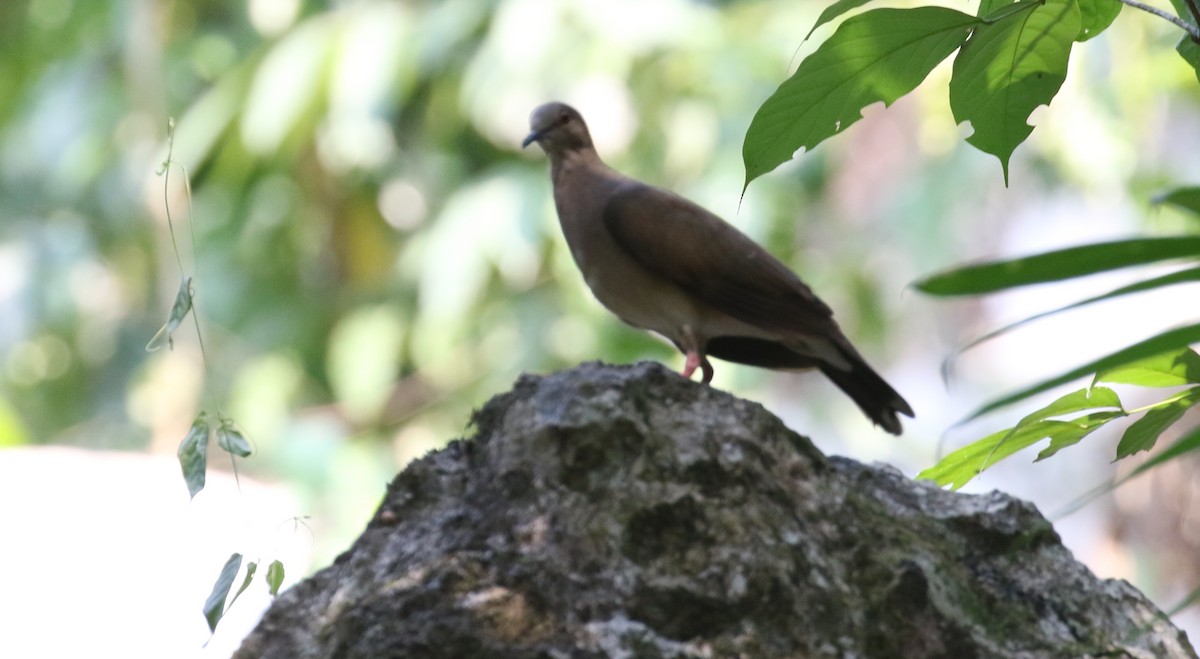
<point x="557" y="128"/>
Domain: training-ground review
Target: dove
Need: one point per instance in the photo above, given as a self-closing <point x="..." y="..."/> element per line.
<point x="664" y="264"/>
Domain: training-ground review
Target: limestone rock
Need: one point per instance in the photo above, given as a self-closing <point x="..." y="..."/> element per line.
<point x="626" y="512"/>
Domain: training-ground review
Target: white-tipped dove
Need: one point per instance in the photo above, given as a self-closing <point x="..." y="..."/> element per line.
<point x="664" y="264"/>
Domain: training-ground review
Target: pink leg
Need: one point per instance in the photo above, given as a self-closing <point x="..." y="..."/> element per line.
<point x="694" y="361"/>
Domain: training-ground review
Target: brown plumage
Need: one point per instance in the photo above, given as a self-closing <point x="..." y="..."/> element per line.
<point x="664" y="264"/>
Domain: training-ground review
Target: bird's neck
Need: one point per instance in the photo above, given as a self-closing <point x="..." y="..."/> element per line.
<point x="569" y="161"/>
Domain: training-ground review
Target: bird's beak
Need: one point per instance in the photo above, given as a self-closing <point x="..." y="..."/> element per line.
<point x="532" y="137"/>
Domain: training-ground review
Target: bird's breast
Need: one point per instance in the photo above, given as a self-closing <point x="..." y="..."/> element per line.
<point x="624" y="286"/>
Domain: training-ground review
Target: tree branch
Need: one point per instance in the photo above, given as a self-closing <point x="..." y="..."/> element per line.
<point x="1192" y="30"/>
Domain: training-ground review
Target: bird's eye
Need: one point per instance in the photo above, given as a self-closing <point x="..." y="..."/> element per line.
<point x="564" y="118"/>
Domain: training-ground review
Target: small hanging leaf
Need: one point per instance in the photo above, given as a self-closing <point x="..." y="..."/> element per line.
<point x="1170" y="369"/>
<point x="275" y="576"/>
<point x="1007" y="69"/>
<point x="231" y="440"/>
<point x="179" y="311"/>
<point x="214" y="606"/>
<point x="1058" y="265"/>
<point x="251" y="568"/>
<point x="192" y="453"/>
<point x="1143" y="434"/>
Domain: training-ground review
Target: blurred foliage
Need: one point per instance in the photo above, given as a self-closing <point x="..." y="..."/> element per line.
<point x="374" y="255"/>
<point x="1011" y="59"/>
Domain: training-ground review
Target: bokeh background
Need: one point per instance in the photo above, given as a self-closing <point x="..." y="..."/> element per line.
<point x="374" y="256"/>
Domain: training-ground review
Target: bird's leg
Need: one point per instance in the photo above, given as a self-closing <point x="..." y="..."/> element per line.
<point x="692" y="362"/>
<point x="695" y="357"/>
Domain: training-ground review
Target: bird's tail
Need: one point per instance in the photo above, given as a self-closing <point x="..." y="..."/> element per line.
<point x="870" y="392"/>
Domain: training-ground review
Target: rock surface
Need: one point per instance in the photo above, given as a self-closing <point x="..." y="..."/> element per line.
<point x="625" y="512"/>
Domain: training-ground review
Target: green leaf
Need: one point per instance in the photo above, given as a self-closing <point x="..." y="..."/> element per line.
<point x="1010" y="67"/>
<point x="1189" y="442"/>
<point x="214" y="606"/>
<point x="275" y="576"/>
<point x="251" y="568"/>
<point x="1160" y="343"/>
<point x="231" y="440"/>
<point x="1071" y="432"/>
<point x="879" y="55"/>
<point x="1187" y="198"/>
<point x="1076" y="401"/>
<point x="988" y="8"/>
<point x="193" y="452"/>
<point x="1190" y="52"/>
<point x="1096" y="16"/>
<point x="1141" y="435"/>
<point x="1095" y="398"/>
<point x="958" y="468"/>
<point x="1181" y="8"/>
<point x="179" y="311"/>
<point x="1181" y="277"/>
<point x="833" y="11"/>
<point x="962" y="465"/>
<point x="1170" y="369"/>
<point x="1057" y="265"/>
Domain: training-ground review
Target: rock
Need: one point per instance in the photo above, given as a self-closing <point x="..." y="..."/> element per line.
<point x="626" y="512"/>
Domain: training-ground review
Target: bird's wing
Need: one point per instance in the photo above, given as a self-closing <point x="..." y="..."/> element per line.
<point x="711" y="260"/>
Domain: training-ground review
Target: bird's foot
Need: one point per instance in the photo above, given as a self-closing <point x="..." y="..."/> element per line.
<point x="694" y="361"/>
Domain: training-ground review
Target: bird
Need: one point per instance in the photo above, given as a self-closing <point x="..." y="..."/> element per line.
<point x="662" y="263"/>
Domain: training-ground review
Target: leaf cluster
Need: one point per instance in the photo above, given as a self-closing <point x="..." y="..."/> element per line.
<point x="215" y="606"/>
<point x="1164" y="360"/>
<point x="193" y="449"/>
<point x="1074" y="416"/>
<point x="1011" y="58"/>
